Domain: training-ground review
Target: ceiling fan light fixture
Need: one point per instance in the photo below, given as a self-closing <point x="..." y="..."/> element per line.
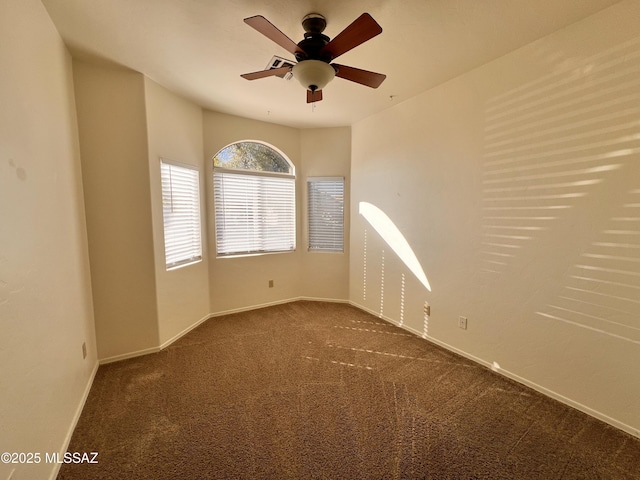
<point x="313" y="74"/>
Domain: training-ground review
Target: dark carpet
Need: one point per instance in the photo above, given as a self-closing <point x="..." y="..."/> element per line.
<point x="319" y="390"/>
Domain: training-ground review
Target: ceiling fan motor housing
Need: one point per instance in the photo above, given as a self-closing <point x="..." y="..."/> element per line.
<point x="314" y="41"/>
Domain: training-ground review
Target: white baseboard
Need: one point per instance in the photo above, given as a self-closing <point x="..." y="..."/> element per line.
<point x="567" y="401"/>
<point x="318" y="299"/>
<point x="74" y="421"/>
<point x="184" y="332"/>
<point x="125" y="356"/>
<point x="277" y="302"/>
<point x="251" y="307"/>
<point x="539" y="388"/>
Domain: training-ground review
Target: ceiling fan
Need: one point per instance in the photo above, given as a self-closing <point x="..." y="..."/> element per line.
<point x="316" y="51"/>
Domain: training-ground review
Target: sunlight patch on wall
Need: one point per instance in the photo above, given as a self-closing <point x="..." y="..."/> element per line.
<point x="551" y="143"/>
<point x="603" y="292"/>
<point x="388" y="231"/>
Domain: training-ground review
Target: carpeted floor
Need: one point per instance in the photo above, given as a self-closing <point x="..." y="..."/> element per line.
<point x="326" y="391"/>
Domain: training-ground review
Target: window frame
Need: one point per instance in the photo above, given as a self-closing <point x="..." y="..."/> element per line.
<point x="196" y="253"/>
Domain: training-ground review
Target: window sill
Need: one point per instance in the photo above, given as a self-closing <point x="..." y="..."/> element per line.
<point x="177" y="267"/>
<point x="256" y="254"/>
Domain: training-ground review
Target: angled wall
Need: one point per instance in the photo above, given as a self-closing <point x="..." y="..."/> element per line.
<point x="174" y="127"/>
<point x="326" y="152"/>
<point x="115" y="171"/>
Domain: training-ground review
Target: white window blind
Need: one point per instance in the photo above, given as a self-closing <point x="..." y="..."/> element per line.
<point x="326" y="213"/>
<point x="181" y="214"/>
<point x="255" y="212"/>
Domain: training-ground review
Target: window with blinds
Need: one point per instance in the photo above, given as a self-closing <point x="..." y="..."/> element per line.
<point x="254" y="193"/>
<point x="181" y="214"/>
<point x="326" y="214"/>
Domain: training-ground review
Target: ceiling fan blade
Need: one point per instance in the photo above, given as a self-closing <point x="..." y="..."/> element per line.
<point x="363" y="77"/>
<point x="362" y="29"/>
<point x="314" y="96"/>
<point x="270" y="31"/>
<point x="266" y="73"/>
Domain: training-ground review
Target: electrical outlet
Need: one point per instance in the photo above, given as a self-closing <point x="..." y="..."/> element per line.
<point x="84" y="349"/>
<point x="427" y="309"/>
<point x="270" y="283"/>
<point x="462" y="323"/>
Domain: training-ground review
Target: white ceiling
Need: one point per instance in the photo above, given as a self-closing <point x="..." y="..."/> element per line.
<point x="199" y="48"/>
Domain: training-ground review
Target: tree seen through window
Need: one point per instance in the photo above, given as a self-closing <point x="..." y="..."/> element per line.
<point x="251" y="156"/>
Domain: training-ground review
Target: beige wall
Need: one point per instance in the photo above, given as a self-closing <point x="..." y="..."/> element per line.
<point x="115" y="169"/>
<point x="175" y="133"/>
<point x="45" y="294"/>
<point x="517" y="186"/>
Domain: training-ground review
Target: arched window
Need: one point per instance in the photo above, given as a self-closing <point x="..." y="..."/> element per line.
<point x="255" y="200"/>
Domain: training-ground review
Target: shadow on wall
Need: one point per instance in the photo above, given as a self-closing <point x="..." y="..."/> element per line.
<point x="603" y="289"/>
<point x="551" y="143"/>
